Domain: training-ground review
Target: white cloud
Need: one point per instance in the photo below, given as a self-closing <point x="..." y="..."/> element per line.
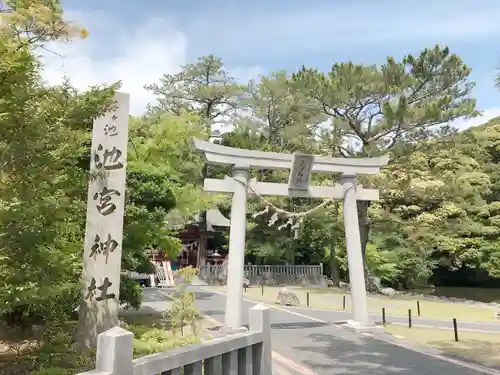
<point x="485" y="116"/>
<point x="142" y="54"/>
<point x="114" y="52"/>
<point x="141" y="57"/>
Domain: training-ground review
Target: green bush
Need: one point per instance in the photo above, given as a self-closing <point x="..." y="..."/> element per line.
<point x="158" y="340"/>
<point x="183" y="310"/>
<point x="130" y="292"/>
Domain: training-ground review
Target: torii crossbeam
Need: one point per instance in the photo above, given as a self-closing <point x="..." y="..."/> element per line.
<point x="300" y="166"/>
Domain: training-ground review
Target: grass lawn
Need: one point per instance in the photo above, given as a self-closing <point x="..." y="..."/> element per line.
<point x="474" y="346"/>
<point x="328" y="298"/>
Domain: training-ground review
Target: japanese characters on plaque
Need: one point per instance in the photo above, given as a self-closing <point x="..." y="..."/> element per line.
<point x="105" y="206"/>
<point x="299" y="177"/>
<point x="300" y="171"/>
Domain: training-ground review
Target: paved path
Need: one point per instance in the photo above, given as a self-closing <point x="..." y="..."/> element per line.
<point x="333" y="316"/>
<point x="153" y="301"/>
<point x="326" y="349"/>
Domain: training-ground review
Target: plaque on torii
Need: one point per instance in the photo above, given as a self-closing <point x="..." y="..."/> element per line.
<point x="301" y="166"/>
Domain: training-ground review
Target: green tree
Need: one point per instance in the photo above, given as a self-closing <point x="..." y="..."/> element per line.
<point x="381" y="107"/>
<point x="162" y="193"/>
<point x="42" y="133"/>
<point x="204" y="88"/>
<point x="45" y="140"/>
<point x="280" y="119"/>
<point x="283" y="114"/>
<point x="183" y="309"/>
<point x="440" y="207"/>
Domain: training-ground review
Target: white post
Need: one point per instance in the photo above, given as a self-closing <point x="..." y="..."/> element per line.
<point x="235" y="267"/>
<point x="114" y="355"/>
<point x="167" y="278"/>
<point x="354" y="255"/>
<point x="260" y="320"/>
<point x="115" y="349"/>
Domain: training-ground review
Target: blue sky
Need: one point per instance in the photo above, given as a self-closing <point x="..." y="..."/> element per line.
<point x="137" y="43"/>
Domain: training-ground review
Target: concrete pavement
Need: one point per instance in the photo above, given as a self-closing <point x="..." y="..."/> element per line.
<point x="318" y="347"/>
<point x="333" y="316"/>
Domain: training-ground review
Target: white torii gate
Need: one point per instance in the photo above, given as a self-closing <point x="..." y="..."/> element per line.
<point x="300" y="165"/>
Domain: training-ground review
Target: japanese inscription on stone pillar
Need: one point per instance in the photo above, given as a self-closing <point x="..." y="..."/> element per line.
<point x="104" y="229"/>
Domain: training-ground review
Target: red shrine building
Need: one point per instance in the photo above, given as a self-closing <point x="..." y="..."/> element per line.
<point x="192" y="237"/>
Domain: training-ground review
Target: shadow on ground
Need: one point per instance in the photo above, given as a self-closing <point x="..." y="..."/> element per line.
<point x="300" y="325"/>
<point x="155" y="295"/>
<point x="213" y="313"/>
<point x="144" y="316"/>
<point x="203" y="296"/>
<point x="297" y="325"/>
<point x="339" y="355"/>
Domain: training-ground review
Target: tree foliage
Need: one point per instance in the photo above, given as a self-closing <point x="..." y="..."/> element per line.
<point x="376" y="108"/>
<point x="45" y="134"/>
<point x="183" y="311"/>
<point x="379" y="106"/>
<point x="204" y="88"/>
<point x="440" y="193"/>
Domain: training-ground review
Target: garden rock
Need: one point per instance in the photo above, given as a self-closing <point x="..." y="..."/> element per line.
<point x="343" y="285"/>
<point x="122" y="323"/>
<point x="227" y="330"/>
<point x="389" y="292"/>
<point x="287" y="298"/>
<point x="373" y="284"/>
<point x="4" y="348"/>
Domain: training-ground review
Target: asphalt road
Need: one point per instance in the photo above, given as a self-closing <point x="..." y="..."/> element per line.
<point x="308" y="338"/>
<point x="332" y="316"/>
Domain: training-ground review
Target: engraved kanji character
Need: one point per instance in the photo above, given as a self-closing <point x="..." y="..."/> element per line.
<point x="96" y="248"/>
<point x="108" y="247"/>
<point x="110" y="158"/>
<point x="91" y="290"/>
<point x="104" y="290"/>
<point x="106" y="206"/>
<point x="110" y="129"/>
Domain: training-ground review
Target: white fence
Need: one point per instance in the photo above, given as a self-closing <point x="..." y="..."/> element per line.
<point x="246" y="353"/>
<point x="268" y="275"/>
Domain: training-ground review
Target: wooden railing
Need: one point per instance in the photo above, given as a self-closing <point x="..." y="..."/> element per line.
<point x="268" y="275"/>
<point x="246" y="353"/>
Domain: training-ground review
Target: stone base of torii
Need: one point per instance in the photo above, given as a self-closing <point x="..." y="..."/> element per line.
<point x="300" y="166"/>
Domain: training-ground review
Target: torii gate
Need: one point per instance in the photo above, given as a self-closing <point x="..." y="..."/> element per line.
<point x="300" y="166"/>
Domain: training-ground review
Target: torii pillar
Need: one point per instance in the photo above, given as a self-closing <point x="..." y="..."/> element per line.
<point x="357" y="283"/>
<point x="236" y="254"/>
<point x="300" y="166"/>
